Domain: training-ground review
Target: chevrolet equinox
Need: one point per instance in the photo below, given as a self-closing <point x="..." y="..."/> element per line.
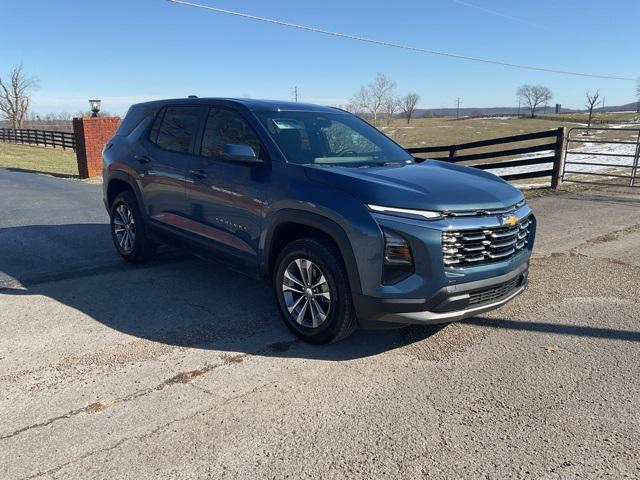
<point x="349" y="228"/>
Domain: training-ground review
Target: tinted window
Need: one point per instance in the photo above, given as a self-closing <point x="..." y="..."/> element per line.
<point x="132" y="119"/>
<point x="178" y="128"/>
<point x="153" y="134"/>
<point x="224" y="127"/>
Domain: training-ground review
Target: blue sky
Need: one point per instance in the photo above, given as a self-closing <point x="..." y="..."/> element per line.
<point x="124" y="51"/>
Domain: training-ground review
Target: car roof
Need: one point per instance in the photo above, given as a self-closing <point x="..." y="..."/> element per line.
<point x="250" y="103"/>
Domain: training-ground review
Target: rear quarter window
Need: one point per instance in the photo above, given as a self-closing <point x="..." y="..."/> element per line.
<point x="132" y="119"/>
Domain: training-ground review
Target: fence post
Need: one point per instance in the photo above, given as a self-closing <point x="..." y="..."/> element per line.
<point x="452" y="152"/>
<point x="558" y="163"/>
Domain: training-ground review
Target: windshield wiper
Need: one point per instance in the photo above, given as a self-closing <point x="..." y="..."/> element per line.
<point x="394" y="163"/>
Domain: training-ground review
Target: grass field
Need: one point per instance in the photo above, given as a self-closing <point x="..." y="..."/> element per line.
<point x="38" y="159"/>
<point x="449" y="131"/>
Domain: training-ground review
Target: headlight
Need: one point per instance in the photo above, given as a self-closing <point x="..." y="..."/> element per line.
<point x="406" y="212"/>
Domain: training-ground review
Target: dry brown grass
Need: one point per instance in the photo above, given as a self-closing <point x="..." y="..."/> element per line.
<point x="449" y="131"/>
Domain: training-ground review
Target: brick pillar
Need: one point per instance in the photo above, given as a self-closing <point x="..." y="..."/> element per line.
<point x="92" y="133"/>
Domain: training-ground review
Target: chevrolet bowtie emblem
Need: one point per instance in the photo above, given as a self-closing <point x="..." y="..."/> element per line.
<point x="509" y="220"/>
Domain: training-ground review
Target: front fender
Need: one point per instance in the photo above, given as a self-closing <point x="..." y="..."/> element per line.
<point x="314" y="220"/>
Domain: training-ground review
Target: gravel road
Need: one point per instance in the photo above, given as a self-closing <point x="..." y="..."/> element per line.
<point x="182" y="369"/>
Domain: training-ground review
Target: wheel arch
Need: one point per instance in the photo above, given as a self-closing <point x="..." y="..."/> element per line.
<point x="289" y="224"/>
<point x="120" y="182"/>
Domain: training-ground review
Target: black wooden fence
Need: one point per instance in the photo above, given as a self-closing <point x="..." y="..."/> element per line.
<point x="484" y="161"/>
<point x="41" y="138"/>
<point x="478" y="160"/>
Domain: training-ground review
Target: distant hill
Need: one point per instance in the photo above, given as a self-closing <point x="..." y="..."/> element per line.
<point x="466" y="112"/>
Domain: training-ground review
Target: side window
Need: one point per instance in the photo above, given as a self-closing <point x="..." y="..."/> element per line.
<point x="224" y="127"/>
<point x="177" y="128"/>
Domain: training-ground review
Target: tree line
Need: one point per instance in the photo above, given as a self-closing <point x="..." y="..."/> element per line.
<point x="376" y="101"/>
<point x="379" y="100"/>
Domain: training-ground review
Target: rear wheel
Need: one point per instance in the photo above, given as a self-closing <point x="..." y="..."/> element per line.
<point x="128" y="230"/>
<point x="312" y="290"/>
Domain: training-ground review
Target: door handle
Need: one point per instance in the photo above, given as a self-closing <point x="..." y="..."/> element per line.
<point x="199" y="173"/>
<point x="142" y="158"/>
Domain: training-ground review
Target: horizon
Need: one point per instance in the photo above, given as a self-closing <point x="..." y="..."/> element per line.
<point x="189" y="51"/>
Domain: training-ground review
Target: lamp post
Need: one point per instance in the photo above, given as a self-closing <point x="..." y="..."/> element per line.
<point x="95" y="107"/>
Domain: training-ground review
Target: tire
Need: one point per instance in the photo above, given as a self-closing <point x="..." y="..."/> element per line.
<point x="127" y="223"/>
<point x="331" y="297"/>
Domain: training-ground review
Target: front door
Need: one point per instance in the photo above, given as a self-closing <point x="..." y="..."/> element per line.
<point x="228" y="199"/>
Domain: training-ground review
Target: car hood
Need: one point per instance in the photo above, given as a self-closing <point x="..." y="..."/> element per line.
<point x="431" y="185"/>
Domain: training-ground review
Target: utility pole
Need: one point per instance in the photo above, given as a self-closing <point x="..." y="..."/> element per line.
<point x="458" y="109"/>
<point x="295" y="94"/>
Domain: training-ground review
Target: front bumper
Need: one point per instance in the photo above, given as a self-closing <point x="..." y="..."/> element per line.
<point x="449" y="304"/>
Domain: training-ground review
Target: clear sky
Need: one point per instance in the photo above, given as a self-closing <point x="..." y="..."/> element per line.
<point x="124" y="51"/>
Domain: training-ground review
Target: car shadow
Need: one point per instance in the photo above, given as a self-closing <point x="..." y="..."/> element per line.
<point x="175" y="299"/>
<point x="556" y="328"/>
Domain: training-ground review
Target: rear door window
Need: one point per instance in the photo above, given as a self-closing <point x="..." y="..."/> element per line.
<point x="178" y="128"/>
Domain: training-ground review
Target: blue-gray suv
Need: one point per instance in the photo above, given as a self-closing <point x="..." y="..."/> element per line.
<point x="349" y="227"/>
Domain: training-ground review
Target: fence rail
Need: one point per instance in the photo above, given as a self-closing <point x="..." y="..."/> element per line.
<point x="41" y="138"/>
<point x="556" y="155"/>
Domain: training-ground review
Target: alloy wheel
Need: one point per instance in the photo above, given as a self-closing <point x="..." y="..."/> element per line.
<point x="124" y="227"/>
<point x="306" y="293"/>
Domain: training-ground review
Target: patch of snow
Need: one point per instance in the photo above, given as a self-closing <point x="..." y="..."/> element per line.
<point x="587" y="153"/>
<point x="505" y="117"/>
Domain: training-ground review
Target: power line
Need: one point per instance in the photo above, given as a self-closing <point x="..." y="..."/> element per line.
<point x="498" y="14"/>
<point x="395" y="45"/>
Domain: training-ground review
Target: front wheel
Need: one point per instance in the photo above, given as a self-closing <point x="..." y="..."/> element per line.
<point x="312" y="290"/>
<point x="128" y="230"/>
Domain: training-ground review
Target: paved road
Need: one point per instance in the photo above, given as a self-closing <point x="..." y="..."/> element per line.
<point x="182" y="369"/>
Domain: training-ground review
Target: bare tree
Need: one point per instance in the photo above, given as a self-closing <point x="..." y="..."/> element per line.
<point x="15" y="96"/>
<point x="592" y="99"/>
<point x="390" y="108"/>
<point x="408" y="105"/>
<point x="533" y="96"/>
<point x="372" y="99"/>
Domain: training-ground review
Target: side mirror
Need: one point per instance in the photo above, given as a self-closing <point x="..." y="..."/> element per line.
<point x="235" y="152"/>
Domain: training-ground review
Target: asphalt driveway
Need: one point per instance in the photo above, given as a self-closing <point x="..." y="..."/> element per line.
<point x="183" y="369"/>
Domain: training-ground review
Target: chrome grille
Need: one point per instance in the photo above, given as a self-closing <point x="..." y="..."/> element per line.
<point x="494" y="293"/>
<point x="464" y="248"/>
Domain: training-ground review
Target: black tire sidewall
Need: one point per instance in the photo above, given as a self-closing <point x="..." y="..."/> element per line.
<point x="339" y="290"/>
<point x="138" y="251"/>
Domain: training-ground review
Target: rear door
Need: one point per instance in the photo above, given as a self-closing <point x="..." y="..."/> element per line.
<point x="226" y="199"/>
<point x="165" y="165"/>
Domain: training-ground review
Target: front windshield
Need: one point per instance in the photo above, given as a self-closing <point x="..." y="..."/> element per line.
<point x="330" y="139"/>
